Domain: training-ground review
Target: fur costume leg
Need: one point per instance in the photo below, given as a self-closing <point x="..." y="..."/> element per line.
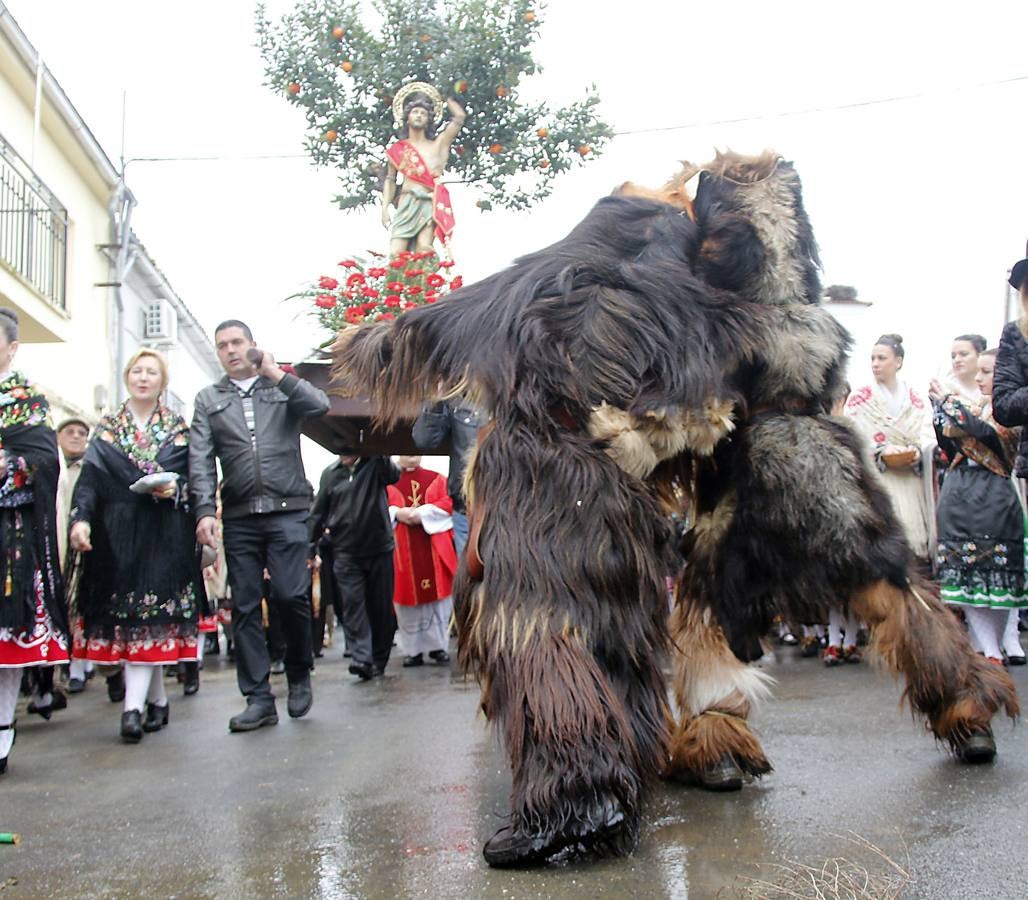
<point x="714" y="693"/>
<point x="955" y="689"/>
<point x="566" y="634"/>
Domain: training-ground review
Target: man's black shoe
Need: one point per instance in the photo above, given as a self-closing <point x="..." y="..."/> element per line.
<point x="416" y="660"/>
<point x="132" y="726"/>
<point x="254" y="716"/>
<point x="379" y="671"/>
<point x="156" y="717"/>
<point x="363" y="671"/>
<point x="116" y="687"/>
<point x="76" y="685"/>
<point x="278" y="667"/>
<point x="301" y="698"/>
<point x="441" y="657"/>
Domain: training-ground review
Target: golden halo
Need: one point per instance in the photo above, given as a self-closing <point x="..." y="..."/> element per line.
<point x="416" y="87"/>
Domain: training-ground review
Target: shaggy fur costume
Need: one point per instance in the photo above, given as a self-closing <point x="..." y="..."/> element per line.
<point x="648" y="349"/>
<point x="789" y="516"/>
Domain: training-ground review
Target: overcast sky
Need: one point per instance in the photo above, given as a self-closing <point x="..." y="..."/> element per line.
<point x="922" y="204"/>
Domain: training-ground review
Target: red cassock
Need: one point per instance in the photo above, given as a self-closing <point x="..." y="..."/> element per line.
<point x="423" y="563"/>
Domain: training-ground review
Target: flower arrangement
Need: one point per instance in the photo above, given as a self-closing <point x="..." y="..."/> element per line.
<point x="380" y="289"/>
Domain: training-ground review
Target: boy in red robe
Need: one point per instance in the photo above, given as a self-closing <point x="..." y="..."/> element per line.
<point x="423" y="563"/>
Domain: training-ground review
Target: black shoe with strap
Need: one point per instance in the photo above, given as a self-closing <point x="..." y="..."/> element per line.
<point x="191" y="678"/>
<point x="409" y="662"/>
<point x="3" y="760"/>
<point x="132" y="726"/>
<point x="156" y="717"/>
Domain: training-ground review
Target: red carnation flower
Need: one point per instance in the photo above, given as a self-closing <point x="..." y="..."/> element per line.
<point x="396" y="264"/>
<point x="414" y="289"/>
<point x="349" y="264"/>
<point x="414" y="273"/>
<point x="325" y="301"/>
<point x="377" y="272"/>
<point x="354" y="314"/>
<point x="424" y="254"/>
<point x="355" y="278"/>
<point x="431" y="298"/>
<point x="446" y="264"/>
<point x="407" y="304"/>
<point x="394" y="286"/>
<point x="329" y="284"/>
<point x="387" y="316"/>
<point x="392" y="300"/>
<point x="436" y="280"/>
<point x="369" y="292"/>
<point x="348" y="295"/>
<point x="405" y="254"/>
<point x="457" y="282"/>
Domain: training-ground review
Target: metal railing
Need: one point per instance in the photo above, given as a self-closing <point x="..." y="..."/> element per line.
<point x="33" y="228"/>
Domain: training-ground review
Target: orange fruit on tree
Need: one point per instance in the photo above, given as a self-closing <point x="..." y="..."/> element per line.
<point x="494" y="149"/>
<point x="460" y="86"/>
<point x="542" y="132"/>
<point x="331" y="135"/>
<point x="545" y="164"/>
<point x="530" y="16"/>
<point x="425" y="39"/>
<point x="347" y="66"/>
<point x="293" y="88"/>
<point x="338" y="32"/>
<point x="584" y="150"/>
<point x="501" y="91"/>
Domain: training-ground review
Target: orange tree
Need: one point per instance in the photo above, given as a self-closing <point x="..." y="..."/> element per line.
<point x="326" y="58"/>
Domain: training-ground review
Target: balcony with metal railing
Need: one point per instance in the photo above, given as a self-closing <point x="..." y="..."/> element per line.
<point x="33" y="229"/>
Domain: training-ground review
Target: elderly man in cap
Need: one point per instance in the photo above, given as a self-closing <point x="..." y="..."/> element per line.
<point x="353" y="508"/>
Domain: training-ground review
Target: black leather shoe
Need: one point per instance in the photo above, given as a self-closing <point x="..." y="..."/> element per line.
<point x="301" y="698"/>
<point x="364" y="671"/>
<point x="76" y="685"/>
<point x="44" y="711"/>
<point x="156" y="717"/>
<point x="978" y="748"/>
<point x="409" y="662"/>
<point x="191" y="679"/>
<point x="1016" y="660"/>
<point x="440" y="657"/>
<point x="132" y="726"/>
<point x="116" y="687"/>
<point x="254" y="716"/>
<point x="378" y="671"/>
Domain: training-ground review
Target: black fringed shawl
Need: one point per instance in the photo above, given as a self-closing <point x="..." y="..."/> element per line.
<point x="143" y="573"/>
<point x="28" y="508"/>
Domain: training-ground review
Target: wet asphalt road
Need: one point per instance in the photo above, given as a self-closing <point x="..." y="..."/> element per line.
<point x="388" y="789"/>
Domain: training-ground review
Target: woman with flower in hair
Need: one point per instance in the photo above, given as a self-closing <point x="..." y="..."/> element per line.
<point x="893" y="416"/>
<point x="33" y="620"/>
<point x="141" y="588"/>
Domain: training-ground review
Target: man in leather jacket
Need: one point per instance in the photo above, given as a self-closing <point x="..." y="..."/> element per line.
<point x="250" y="421"/>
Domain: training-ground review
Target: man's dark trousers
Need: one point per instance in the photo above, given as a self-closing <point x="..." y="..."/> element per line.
<point x="365" y="584"/>
<point x="278" y="542"/>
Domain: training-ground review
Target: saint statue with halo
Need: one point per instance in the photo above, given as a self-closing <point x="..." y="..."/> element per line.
<point x="423" y="209"/>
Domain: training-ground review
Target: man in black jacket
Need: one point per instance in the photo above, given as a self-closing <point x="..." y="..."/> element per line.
<point x="250" y="421"/>
<point x="353" y="508"/>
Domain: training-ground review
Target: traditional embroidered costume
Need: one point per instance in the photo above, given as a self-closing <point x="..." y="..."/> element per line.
<point x="981" y="548"/>
<point x="33" y="618"/>
<point x="900" y="420"/>
<point x="424" y="562"/>
<point x="141" y="591"/>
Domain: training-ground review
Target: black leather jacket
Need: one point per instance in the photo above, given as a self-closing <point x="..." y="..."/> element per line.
<point x="262" y="476"/>
<point x="457" y="423"/>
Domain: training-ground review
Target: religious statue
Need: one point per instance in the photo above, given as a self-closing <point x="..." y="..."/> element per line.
<point x="423" y="210"/>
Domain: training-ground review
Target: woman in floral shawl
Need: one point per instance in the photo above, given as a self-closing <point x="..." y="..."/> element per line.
<point x="33" y="620"/>
<point x="893" y="416"/>
<point x="980" y="553"/>
<point x="141" y="591"/>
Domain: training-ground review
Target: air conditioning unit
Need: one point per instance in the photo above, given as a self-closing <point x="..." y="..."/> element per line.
<point x="160" y="321"/>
